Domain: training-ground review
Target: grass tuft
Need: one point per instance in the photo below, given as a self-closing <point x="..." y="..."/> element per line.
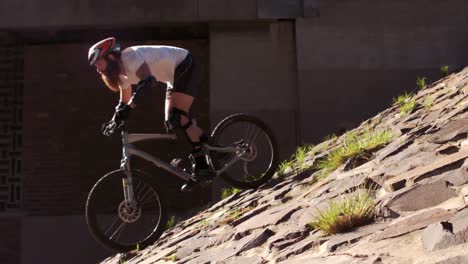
<point x="354" y="145"/>
<point x="283" y="167"/>
<point x="428" y="102"/>
<point x="345" y="214"/>
<point x="172" y="222"/>
<point x="204" y="223"/>
<point x="172" y="257"/>
<point x="297" y="160"/>
<point x="408" y="106"/>
<point x="301" y="154"/>
<point x="444" y="70"/>
<point x="405" y="102"/>
<point x="402" y="99"/>
<point x="226" y="192"/>
<point x="421" y="82"/>
<point x="330" y="137"/>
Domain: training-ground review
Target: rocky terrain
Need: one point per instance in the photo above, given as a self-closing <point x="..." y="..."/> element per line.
<point x="418" y="179"/>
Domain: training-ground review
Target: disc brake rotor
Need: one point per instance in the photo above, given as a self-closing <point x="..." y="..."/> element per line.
<point x="250" y="154"/>
<point x="129" y="214"/>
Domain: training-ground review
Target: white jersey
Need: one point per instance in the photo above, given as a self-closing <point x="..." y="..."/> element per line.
<point x="162" y="61"/>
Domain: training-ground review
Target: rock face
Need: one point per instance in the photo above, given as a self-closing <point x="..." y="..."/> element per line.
<point x="446" y="234"/>
<point x="421" y="213"/>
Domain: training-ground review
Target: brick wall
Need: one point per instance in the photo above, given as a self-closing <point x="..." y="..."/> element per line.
<point x="11" y="88"/>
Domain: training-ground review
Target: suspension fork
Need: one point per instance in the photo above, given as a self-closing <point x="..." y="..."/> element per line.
<point x="127" y="181"/>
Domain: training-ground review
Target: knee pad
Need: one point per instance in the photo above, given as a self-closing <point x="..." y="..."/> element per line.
<point x="174" y="124"/>
<point x="174" y="120"/>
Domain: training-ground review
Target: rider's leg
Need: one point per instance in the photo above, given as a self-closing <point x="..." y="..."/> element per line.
<point x="176" y="110"/>
<point x="188" y="80"/>
<point x="183" y="102"/>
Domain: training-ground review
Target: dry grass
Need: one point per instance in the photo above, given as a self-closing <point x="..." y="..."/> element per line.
<point x="235" y="214"/>
<point x="354" y="145"/>
<point x="345" y="214"/>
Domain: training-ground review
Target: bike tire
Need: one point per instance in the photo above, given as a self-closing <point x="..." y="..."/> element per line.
<point x="216" y="138"/>
<point x="93" y="206"/>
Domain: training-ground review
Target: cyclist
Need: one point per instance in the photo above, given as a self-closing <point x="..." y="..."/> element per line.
<point x="134" y="69"/>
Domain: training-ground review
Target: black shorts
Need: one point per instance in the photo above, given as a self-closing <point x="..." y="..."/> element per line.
<point x="188" y="77"/>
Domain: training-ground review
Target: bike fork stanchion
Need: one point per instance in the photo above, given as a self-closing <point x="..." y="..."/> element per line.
<point x="127" y="182"/>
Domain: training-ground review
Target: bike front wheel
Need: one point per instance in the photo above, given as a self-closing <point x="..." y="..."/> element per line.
<point x="119" y="225"/>
<point x="254" y="166"/>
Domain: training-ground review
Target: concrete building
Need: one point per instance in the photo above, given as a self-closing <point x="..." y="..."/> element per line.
<point x="307" y="67"/>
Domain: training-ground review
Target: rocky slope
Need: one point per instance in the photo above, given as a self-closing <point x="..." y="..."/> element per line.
<point x="421" y="213"/>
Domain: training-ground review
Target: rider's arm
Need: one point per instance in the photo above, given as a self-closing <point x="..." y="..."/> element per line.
<point x="122" y="109"/>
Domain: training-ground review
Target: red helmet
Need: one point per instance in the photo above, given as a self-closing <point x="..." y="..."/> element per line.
<point x="102" y="48"/>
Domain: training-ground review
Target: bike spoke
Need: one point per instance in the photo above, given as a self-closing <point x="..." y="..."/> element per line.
<point x="119" y="231"/>
<point x="250" y="128"/>
<point x="115" y="220"/>
<point x="110" y="230"/>
<point x="150" y="201"/>
<point x="258" y="131"/>
<point x="137" y="187"/>
<point x="227" y="165"/>
<point x="251" y="134"/>
<point x="142" y="200"/>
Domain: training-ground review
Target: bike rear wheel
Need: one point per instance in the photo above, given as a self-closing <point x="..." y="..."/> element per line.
<point x="258" y="163"/>
<point x="115" y="223"/>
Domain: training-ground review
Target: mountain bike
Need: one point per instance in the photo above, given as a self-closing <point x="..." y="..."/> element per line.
<point x="125" y="209"/>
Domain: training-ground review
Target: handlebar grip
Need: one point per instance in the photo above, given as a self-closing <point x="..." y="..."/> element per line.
<point x="111" y="127"/>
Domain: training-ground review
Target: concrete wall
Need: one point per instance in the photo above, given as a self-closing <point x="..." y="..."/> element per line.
<point x="15" y="14"/>
<point x="252" y="69"/>
<point x="10" y="239"/>
<point x="359" y="54"/>
<point x="59" y="239"/>
<point x="57" y="13"/>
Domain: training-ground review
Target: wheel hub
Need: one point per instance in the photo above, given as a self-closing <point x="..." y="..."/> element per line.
<point x="127" y="213"/>
<point x="250" y="154"/>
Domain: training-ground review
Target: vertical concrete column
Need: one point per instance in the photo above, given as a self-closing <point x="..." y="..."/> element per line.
<point x="253" y="70"/>
<point x="284" y="40"/>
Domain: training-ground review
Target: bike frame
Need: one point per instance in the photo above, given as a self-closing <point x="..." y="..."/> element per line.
<point x="130" y="150"/>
